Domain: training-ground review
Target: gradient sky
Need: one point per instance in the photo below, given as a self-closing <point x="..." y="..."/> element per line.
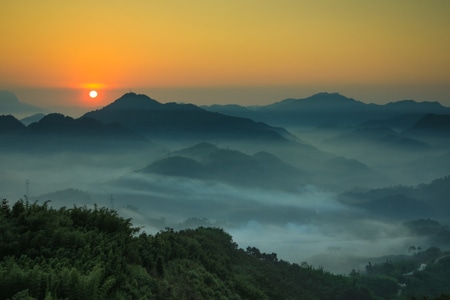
<point x="211" y="51"/>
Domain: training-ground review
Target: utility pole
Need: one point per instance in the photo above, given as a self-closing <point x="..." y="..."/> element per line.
<point x="27" y="191"/>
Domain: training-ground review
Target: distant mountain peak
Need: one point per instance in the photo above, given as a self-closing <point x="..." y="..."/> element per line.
<point x="325" y="96"/>
<point x="133" y="101"/>
<point x="9" y="123"/>
<point x="10" y="104"/>
<point x="322" y="100"/>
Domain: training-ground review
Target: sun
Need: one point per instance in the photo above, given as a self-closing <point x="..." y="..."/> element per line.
<point x="93" y="94"/>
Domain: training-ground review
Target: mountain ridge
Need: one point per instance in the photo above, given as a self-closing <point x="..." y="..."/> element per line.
<point x="172" y="120"/>
<point x="327" y="107"/>
<point x="207" y="161"/>
<point x="10" y="104"/>
<point x="59" y="132"/>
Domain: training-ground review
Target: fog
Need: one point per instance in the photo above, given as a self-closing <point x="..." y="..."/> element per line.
<point x="334" y="195"/>
<point x="307" y="223"/>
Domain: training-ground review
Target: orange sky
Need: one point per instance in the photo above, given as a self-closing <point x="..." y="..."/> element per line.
<point x="246" y="51"/>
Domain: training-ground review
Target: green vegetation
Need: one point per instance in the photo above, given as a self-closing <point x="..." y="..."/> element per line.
<point x="83" y="253"/>
<point x="425" y="274"/>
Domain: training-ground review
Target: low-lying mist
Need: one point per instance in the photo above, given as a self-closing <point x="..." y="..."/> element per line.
<point x="309" y="224"/>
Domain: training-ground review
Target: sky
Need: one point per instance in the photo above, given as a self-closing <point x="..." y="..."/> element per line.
<point x="246" y="52"/>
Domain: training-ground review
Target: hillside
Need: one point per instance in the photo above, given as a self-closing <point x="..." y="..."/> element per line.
<point x="405" y="201"/>
<point x="56" y="132"/>
<point x="431" y="125"/>
<point x="325" y="108"/>
<point x="10" y="125"/>
<point x="9" y="104"/>
<point x="183" y="121"/>
<point x="207" y="161"/>
<point x="378" y="137"/>
<point x="83" y="253"/>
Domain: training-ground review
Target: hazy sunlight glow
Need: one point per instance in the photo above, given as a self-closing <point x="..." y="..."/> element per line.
<point x="393" y="46"/>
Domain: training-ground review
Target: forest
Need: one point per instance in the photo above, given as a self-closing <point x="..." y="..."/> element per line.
<point x="93" y="253"/>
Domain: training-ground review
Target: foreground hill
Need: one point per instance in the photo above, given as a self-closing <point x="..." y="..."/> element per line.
<point x="183" y="121"/>
<point x="81" y="253"/>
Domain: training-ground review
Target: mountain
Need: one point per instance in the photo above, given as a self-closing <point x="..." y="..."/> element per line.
<point x="9" y="104"/>
<point x="340" y="173"/>
<point x="400" y="122"/>
<point x="412" y="107"/>
<point x="84" y="253"/>
<point x="325" y="108"/>
<point x="59" y="132"/>
<point x="431" y="124"/>
<point x="403" y="201"/>
<point x="65" y="126"/>
<point x="376" y="137"/>
<point x="183" y="121"/>
<point x="32" y="119"/>
<point x="10" y="125"/>
<point x="209" y="162"/>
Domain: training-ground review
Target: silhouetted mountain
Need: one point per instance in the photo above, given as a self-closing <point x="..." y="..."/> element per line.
<point x="58" y="124"/>
<point x="32" y="119"/>
<point x="206" y="161"/>
<point x="232" y="110"/>
<point x="9" y="104"/>
<point x="182" y="121"/>
<point x="328" y="108"/>
<point x="59" y="132"/>
<point x="412" y="107"/>
<point x="320" y="101"/>
<point x="431" y="124"/>
<point x="10" y="125"/>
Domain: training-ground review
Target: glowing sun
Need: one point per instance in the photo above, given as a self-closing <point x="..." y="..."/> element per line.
<point x="93" y="94"/>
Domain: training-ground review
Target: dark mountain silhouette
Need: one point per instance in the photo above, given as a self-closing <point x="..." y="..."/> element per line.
<point x="182" y="121"/>
<point x="32" y="119"/>
<point x="59" y="132"/>
<point x="9" y="104"/>
<point x="318" y="101"/>
<point x="328" y="108"/>
<point x="233" y="110"/>
<point x="412" y="107"/>
<point x="207" y="161"/>
<point x="58" y="124"/>
<point x="431" y="124"/>
<point x="10" y="125"/>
